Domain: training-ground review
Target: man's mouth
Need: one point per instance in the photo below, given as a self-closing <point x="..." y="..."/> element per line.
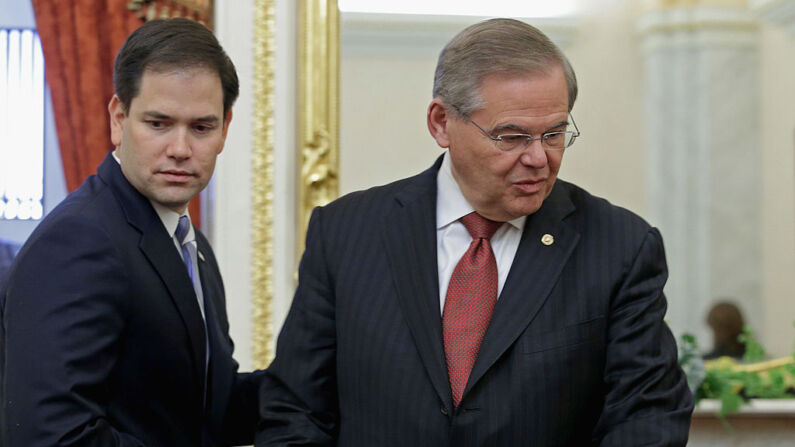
<point x="176" y="175"/>
<point x="530" y="186"/>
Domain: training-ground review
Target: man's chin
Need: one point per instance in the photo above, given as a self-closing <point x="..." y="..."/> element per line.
<point x="525" y="209"/>
<point x="174" y="203"/>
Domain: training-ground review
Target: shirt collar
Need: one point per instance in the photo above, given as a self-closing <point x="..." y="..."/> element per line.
<point x="169" y="217"/>
<point x="451" y="204"/>
<point x="170" y="220"/>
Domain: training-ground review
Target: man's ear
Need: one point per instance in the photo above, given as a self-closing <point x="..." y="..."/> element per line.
<point x="438" y="120"/>
<point x="117" y="116"/>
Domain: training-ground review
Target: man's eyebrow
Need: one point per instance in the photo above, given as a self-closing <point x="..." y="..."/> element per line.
<point x="560" y="124"/>
<point x="520" y="129"/>
<point x="155" y="114"/>
<point x="163" y="116"/>
<point x="513" y="127"/>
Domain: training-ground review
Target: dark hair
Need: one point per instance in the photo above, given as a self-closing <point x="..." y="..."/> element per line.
<point x="165" y="44"/>
<point x="494" y="46"/>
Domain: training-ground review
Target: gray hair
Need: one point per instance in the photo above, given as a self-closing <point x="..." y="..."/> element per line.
<point x="489" y="47"/>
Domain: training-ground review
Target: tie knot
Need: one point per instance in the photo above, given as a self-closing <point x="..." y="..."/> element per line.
<point x="479" y="227"/>
<point x="182" y="229"/>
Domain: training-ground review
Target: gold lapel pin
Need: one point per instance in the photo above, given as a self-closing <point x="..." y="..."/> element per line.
<point x="547" y="239"/>
<point x="201" y="256"/>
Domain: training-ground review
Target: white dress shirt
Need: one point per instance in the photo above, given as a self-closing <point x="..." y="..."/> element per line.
<point x="453" y="239"/>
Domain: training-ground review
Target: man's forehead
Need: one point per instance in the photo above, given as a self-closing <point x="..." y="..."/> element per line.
<point x="540" y="96"/>
<point x="184" y="72"/>
<point x="160" y="92"/>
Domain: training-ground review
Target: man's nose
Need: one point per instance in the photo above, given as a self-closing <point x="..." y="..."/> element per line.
<point x="180" y="147"/>
<point x="534" y="155"/>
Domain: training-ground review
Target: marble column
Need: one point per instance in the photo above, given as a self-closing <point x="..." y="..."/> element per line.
<point x="703" y="182"/>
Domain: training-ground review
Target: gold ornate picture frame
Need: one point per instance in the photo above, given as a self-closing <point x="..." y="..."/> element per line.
<point x="318" y="108"/>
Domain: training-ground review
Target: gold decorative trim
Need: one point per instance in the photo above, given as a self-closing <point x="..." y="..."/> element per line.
<point x="146" y="10"/>
<point x="702" y="25"/>
<point x="694" y="3"/>
<point x="318" y="105"/>
<point x="262" y="182"/>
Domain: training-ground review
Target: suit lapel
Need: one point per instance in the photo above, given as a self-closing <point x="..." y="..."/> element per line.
<point x="158" y="247"/>
<point x="217" y="385"/>
<point x="410" y="241"/>
<point x="534" y="271"/>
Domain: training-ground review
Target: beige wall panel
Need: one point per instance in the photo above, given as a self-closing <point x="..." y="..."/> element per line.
<point x="777" y="75"/>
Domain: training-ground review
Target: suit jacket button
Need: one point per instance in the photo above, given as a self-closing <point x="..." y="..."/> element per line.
<point x="444" y="410"/>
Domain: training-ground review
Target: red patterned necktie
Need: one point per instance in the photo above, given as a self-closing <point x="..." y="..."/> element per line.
<point x="471" y="296"/>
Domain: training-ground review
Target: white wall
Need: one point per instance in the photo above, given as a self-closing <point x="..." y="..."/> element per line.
<point x="777" y="76"/>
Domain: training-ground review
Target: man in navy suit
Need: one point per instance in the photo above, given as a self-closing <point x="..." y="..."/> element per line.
<point x="114" y="326"/>
<point x="8" y="251"/>
<point x="482" y="302"/>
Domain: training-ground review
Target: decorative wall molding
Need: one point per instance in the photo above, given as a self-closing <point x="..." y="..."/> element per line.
<point x="760" y="407"/>
<point x="699" y="25"/>
<point x="200" y="10"/>
<point x="779" y="12"/>
<point x="262" y="215"/>
<point x="431" y="32"/>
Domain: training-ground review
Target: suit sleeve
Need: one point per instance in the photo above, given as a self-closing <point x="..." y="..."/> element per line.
<point x="647" y="400"/>
<point x="233" y="408"/>
<point x="241" y="418"/>
<point x="298" y="396"/>
<point x="63" y="318"/>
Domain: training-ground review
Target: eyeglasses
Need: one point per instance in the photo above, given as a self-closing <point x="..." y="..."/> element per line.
<point x="551" y="141"/>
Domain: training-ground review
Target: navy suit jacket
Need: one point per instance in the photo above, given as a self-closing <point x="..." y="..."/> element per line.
<point x="103" y="342"/>
<point x="576" y="352"/>
<point x="8" y="251"/>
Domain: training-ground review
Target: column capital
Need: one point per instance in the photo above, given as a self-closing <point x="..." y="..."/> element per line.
<point x="779" y="12"/>
<point x="668" y="4"/>
<point x="705" y="22"/>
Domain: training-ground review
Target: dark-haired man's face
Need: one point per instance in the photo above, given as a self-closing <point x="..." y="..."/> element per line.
<point x="168" y="139"/>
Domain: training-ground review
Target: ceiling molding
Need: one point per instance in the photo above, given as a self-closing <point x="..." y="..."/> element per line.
<point x="373" y="31"/>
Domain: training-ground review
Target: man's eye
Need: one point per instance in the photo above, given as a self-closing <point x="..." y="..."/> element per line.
<point x="156" y="124"/>
<point x="513" y="139"/>
<point x="201" y="128"/>
<point x="553" y="137"/>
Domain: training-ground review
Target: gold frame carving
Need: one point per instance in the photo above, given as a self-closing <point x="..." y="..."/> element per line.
<point x="318" y="106"/>
<point x="147" y="10"/>
<point x="262" y="183"/>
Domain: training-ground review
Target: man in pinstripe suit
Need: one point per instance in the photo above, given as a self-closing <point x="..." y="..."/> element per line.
<point x="573" y="350"/>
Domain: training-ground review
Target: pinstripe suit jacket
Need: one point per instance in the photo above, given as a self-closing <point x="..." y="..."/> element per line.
<point x="576" y="352"/>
